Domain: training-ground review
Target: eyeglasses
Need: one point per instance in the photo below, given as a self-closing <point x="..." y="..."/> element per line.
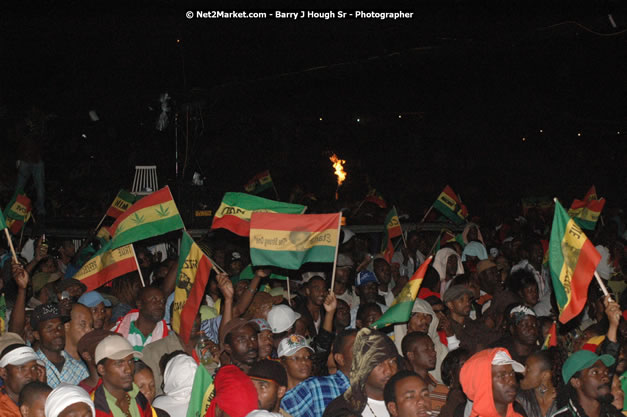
<point x="303" y="359"/>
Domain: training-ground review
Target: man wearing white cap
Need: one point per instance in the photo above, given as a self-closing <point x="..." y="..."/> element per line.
<point x="69" y="400"/>
<point x="18" y="367"/>
<point x="281" y="319"/>
<point x="118" y="396"/>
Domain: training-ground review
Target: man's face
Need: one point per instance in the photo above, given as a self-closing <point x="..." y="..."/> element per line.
<point x="264" y="342"/>
<point x="419" y="322"/>
<point x="98" y="313"/>
<point x="144" y="260"/>
<point x="504" y="385"/>
<point x="383" y="272"/>
<point x="451" y="265"/>
<point x="299" y="366"/>
<point x="316" y="291"/>
<point x="152" y="304"/>
<point x="16" y="376"/>
<point x="82" y="323"/>
<point x="489" y="279"/>
<point x="342" y="276"/>
<point x="382" y="373"/>
<point x="530" y="295"/>
<point x="75" y="292"/>
<point x="526" y="330"/>
<point x="243" y="346"/>
<point x="371" y="315"/>
<point x="411" y="399"/>
<point x="342" y="314"/>
<point x="536" y="255"/>
<point x="368" y="292"/>
<point x="460" y="306"/>
<point x="594" y="383"/>
<point x="423" y="354"/>
<point x="51" y="334"/>
<point x="267" y="394"/>
<point x="347" y="355"/>
<point x="118" y="374"/>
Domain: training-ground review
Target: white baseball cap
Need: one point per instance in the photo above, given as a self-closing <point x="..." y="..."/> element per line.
<point x="281" y="318"/>
<point x="502" y="358"/>
<point x="115" y="347"/>
<point x="292" y="344"/>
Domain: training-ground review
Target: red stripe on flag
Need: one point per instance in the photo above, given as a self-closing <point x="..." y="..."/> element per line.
<point x="196" y="294"/>
<point x="587" y="263"/>
<point x="114" y="212"/>
<point x="295" y="222"/>
<point x="158" y="197"/>
<point x="449" y="192"/>
<point x="232" y="223"/>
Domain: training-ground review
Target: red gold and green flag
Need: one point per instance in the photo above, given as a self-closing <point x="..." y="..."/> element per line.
<point x="392" y="229"/>
<point x="17" y="212"/>
<point x="375" y="197"/>
<point x="236" y="209"/>
<point x="449" y="204"/>
<point x="202" y="393"/>
<point x="259" y="183"/>
<point x="586" y="212"/>
<point x="551" y="339"/>
<point x="107" y="264"/>
<point x="123" y="201"/>
<point x="192" y="277"/>
<point x="153" y="215"/>
<point x="400" y="310"/>
<point x="572" y="262"/>
<point x="290" y="240"/>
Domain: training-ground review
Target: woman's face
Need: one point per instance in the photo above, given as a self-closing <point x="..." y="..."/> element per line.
<point x="264" y="341"/>
<point x="299" y="366"/>
<point x="530" y="295"/>
<point x="533" y="374"/>
<point x="146" y="383"/>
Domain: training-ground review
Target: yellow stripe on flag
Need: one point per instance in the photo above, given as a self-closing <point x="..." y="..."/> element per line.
<point x="572" y="242"/>
<point x="284" y="240"/>
<point x="98" y="263"/>
<point x="448" y="202"/>
<point x="146" y="215"/>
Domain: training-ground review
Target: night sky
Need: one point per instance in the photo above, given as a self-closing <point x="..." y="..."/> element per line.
<point x="500" y="103"/>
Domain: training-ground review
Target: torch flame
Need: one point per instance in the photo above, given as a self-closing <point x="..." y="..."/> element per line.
<point x="338" y="165"/>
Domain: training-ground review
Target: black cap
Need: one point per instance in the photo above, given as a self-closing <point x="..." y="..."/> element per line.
<point x="270" y="370"/>
<point x="45" y="312"/>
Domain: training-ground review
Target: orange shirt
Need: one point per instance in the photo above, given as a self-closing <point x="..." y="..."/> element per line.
<point x="7" y="407"/>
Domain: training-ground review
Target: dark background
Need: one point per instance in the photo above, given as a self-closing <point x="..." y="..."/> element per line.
<point x="469" y="80"/>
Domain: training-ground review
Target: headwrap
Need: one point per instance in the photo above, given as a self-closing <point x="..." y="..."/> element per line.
<point x="476" y="379"/>
<point x="177" y="385"/>
<point x="439" y="263"/>
<point x="518" y="313"/>
<point x="19" y="356"/>
<point x="475" y="249"/>
<point x="65" y="395"/>
<point x="370" y="349"/>
<point x="235" y="393"/>
<point x="467" y="229"/>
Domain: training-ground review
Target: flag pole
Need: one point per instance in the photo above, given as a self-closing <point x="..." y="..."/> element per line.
<point x="402" y="233"/>
<point x="138" y="268"/>
<point x="337" y="247"/>
<point x="289" y="297"/>
<point x="100" y="222"/>
<point x="427" y="213"/>
<point x="19" y="245"/>
<point x="6" y="233"/>
<point x="216" y="267"/>
<point x="436" y="241"/>
<point x="599" y="281"/>
<point x="275" y="191"/>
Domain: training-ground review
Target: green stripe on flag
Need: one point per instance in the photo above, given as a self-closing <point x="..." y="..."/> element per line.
<point x="292" y="259"/>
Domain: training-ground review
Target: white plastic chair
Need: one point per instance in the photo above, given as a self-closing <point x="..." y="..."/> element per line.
<point x="145" y="181"/>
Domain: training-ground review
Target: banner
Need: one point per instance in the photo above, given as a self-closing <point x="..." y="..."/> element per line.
<point x="236" y="209"/>
<point x="450" y="205"/>
<point x="290" y="240"/>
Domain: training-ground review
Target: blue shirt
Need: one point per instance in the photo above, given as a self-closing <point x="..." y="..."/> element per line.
<point x="73" y="371"/>
<point x="311" y="397"/>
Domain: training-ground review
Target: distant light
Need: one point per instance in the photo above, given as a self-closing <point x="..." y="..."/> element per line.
<point x="541" y="131"/>
<point x="321" y="119"/>
<point x="178" y="41"/>
<point x="400" y="117"/>
<point x="578" y="133"/>
<point x="84" y="136"/>
<point x="358" y="120"/>
<point x="524" y="139"/>
<point x="618" y="133"/>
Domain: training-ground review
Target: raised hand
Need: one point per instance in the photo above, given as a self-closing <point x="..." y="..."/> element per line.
<point x="330" y="302"/>
<point x="19" y="274"/>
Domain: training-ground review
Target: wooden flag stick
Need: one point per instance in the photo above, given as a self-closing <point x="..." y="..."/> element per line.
<point x="436" y="241"/>
<point x="337" y="247"/>
<point x="289" y="296"/>
<point x="426" y="214"/>
<point x="601" y="284"/>
<point x="216" y="267"/>
<point x="6" y="233"/>
<point x="138" y="268"/>
<point x="100" y="222"/>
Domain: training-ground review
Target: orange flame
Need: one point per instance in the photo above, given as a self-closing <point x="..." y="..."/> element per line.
<point x="338" y="165"/>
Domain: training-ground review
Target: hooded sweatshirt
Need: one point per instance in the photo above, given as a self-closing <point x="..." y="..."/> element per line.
<point x="439" y="263"/>
<point x="178" y="379"/>
<point x="400" y="330"/>
<point x="476" y="380"/>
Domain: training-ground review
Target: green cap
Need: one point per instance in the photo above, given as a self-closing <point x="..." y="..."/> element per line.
<point x="583" y="359"/>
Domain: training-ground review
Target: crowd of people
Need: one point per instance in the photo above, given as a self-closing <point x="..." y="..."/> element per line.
<point x="472" y="346"/>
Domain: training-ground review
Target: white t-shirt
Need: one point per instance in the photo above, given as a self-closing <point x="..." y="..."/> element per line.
<point x="377" y="406"/>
